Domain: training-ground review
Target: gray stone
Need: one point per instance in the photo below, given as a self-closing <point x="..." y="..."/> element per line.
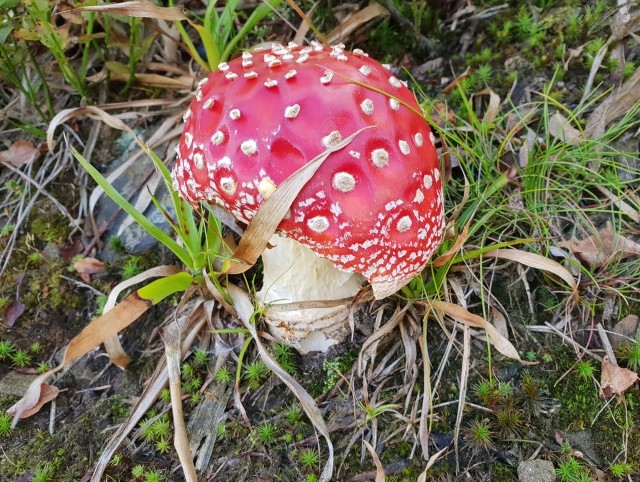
<point x="583" y="441"/>
<point x="536" y="471"/>
<point x="132" y="184"/>
<point x="15" y="384"/>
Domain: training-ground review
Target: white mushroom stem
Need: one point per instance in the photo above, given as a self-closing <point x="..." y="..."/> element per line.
<point x="295" y="274"/>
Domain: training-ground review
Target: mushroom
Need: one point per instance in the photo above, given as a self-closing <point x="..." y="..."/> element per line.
<point x="374" y="209"/>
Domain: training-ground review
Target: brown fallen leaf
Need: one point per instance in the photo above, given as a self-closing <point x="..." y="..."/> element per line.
<point x="616" y="104"/>
<point x="604" y="246"/>
<point x="33" y="405"/>
<point x="19" y="154"/>
<point x="561" y="128"/>
<point x="355" y="21"/>
<point x="493" y="107"/>
<point x="12" y="312"/>
<point x="615" y="380"/>
<point x="88" y="266"/>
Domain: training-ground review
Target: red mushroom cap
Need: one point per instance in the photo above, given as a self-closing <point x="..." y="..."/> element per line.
<point x="374" y="207"/>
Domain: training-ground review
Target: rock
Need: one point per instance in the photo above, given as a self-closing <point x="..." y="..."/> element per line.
<point x="582" y="440"/>
<point x="15" y="384"/>
<point x="536" y="471"/>
<point x="132" y="184"/>
<point x="627" y="327"/>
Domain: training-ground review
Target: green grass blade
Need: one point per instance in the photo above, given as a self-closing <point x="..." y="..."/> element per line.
<point x="126" y="206"/>
<point x="258" y="14"/>
<point x="188" y="230"/>
<point x="224" y="27"/>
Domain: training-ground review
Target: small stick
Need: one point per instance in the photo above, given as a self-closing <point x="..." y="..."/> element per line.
<point x="606" y="345"/>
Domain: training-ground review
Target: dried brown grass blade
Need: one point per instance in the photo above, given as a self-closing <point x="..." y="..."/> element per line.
<point x="114" y="320"/>
<point x="539" y="262"/>
<point x="371" y="12"/>
<point x="244" y="309"/>
<point x="467" y="318"/>
<point x="615" y="105"/>
<point x="112" y="346"/>
<point x="88" y="111"/>
<point x="139" y="8"/>
<point x="623" y="206"/>
<point x="380" y="476"/>
<point x="148" y="80"/>
<point x="425" y="409"/>
<point x="432" y="460"/>
<point x="460" y="240"/>
<point x="303" y="28"/>
<point x="173" y="355"/>
<point x="307" y="21"/>
<point x="462" y="396"/>
<point x="270" y="214"/>
<point x="191" y="321"/>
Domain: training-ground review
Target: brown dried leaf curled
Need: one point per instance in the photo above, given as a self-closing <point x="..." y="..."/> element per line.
<point x="19" y="154"/>
<point x="604" y="246"/>
<point x="30" y="406"/>
<point x="12" y="312"/>
<point x="615" y="380"/>
<point x="88" y="266"/>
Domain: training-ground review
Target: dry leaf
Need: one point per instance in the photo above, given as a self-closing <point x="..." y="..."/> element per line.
<point x="270" y="214"/>
<point x="615" y="105"/>
<point x="141" y="8"/>
<point x="12" y="312"/>
<point x="171" y="337"/>
<point x="88" y="266"/>
<point x="19" y="154"/>
<point x="560" y="128"/>
<point x="451" y="252"/>
<point x="615" y="380"/>
<point x="68" y="12"/>
<point x="353" y="22"/>
<point x="536" y="261"/>
<point x="494" y="105"/>
<point x="380" y="476"/>
<point x="432" y="460"/>
<point x="467" y="318"/>
<point x="499" y="321"/>
<point x="597" y="250"/>
<point x="33" y="405"/>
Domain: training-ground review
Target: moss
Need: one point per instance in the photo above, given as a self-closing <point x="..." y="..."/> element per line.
<point x="50" y="228"/>
<point x="72" y="448"/>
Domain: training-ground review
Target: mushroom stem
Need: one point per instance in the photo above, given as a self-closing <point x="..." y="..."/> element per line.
<point x="294" y="274"/>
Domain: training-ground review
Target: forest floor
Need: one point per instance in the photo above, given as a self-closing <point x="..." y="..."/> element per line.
<point x="537" y="110"/>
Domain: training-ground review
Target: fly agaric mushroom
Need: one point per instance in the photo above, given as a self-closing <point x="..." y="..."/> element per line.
<point x="374" y="209"/>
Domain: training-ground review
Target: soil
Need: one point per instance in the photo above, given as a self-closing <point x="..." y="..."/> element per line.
<point x="543" y="410"/>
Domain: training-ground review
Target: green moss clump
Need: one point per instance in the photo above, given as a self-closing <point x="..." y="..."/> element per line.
<point x="50" y="228"/>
